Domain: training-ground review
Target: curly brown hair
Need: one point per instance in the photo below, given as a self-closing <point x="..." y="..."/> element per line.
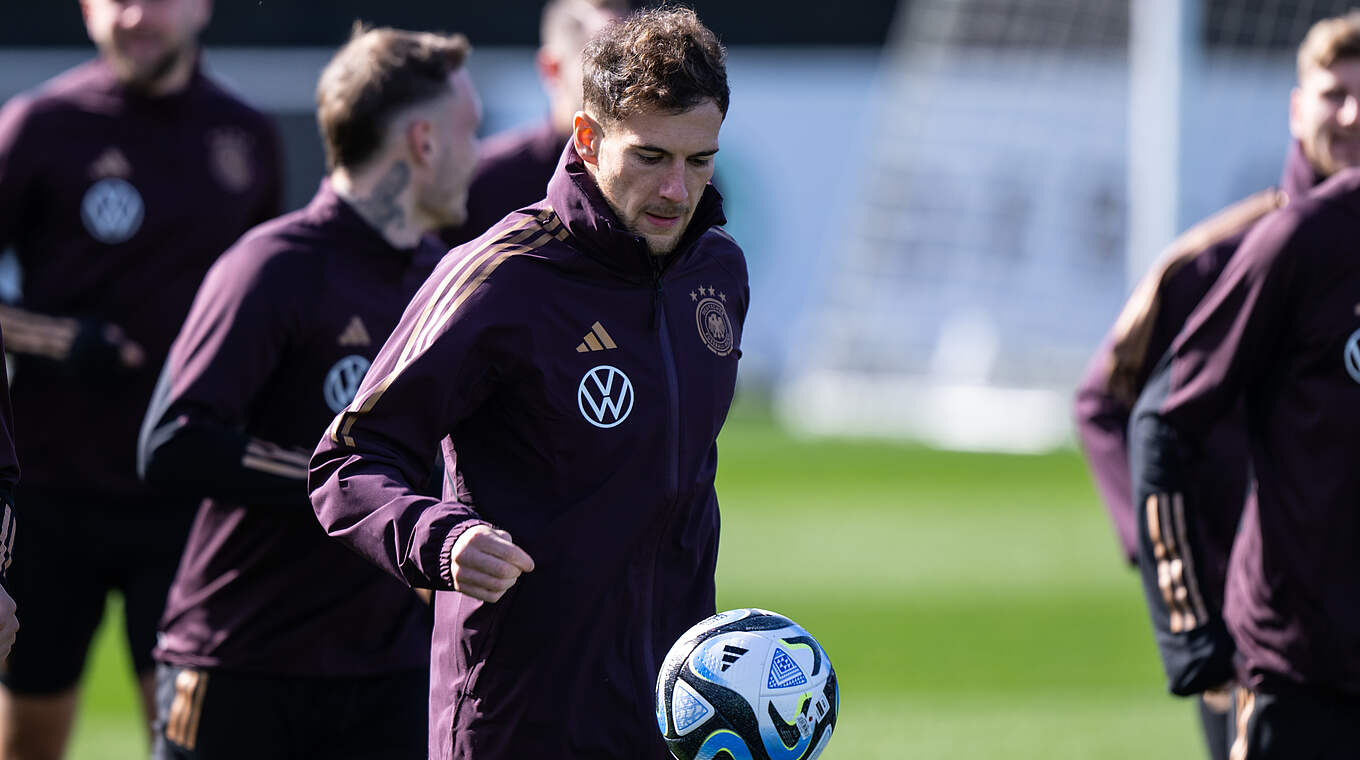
<point x="378" y="73"/>
<point x="659" y="59"/>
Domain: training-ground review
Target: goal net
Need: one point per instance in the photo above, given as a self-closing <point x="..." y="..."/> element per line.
<point x="991" y="245"/>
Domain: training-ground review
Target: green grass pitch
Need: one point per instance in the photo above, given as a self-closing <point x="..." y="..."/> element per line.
<point x="974" y="606"/>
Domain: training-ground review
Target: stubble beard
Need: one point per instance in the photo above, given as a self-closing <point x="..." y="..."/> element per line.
<point x="147" y="78"/>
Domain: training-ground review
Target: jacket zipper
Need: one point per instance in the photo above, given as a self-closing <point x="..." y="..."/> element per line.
<point x="672" y="456"/>
<point x="672" y="384"/>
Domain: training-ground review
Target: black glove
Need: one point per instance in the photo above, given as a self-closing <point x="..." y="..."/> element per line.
<point x="100" y="349"/>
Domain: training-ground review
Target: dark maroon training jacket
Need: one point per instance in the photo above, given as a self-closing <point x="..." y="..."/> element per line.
<point x="581" y="384"/>
<point x="1278" y="332"/>
<point x="279" y="336"/>
<point x="116" y="204"/>
<point x="1170" y="292"/>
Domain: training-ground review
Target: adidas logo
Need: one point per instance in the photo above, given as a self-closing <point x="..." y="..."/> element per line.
<point x="111" y="163"/>
<point x="596" y="340"/>
<point x="355" y="333"/>
<point x="730" y="656"/>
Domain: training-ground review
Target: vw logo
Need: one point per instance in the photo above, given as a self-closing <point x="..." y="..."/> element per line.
<point x="605" y="396"/>
<point x="342" y="382"/>
<point x="1352" y="356"/>
<point x="112" y="210"/>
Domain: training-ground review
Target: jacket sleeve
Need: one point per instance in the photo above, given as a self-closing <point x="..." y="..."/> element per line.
<point x="194" y="440"/>
<point x="436" y="368"/>
<point x="8" y="528"/>
<point x="1225" y="345"/>
<point x="1156" y="311"/>
<point x="1102" y="421"/>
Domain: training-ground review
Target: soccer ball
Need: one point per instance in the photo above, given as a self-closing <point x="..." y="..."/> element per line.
<point x="746" y="685"/>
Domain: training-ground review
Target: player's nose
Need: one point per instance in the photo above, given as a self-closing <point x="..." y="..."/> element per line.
<point x="673" y="184"/>
<point x="131" y="15"/>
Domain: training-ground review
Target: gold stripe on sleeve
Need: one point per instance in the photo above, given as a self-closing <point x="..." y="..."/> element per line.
<point x="186" y="681"/>
<point x="552" y="223"/>
<point x="1195" y="600"/>
<point x="510" y="236"/>
<point x="266" y="450"/>
<point x="196" y="713"/>
<point x="1133" y="327"/>
<point x="483" y="265"/>
<point x="274" y="467"/>
<point x="36" y="334"/>
<point x="453" y="291"/>
<point x="1246" y="704"/>
<point x="7" y="530"/>
<point x="1175" y="565"/>
<point x="1162" y="553"/>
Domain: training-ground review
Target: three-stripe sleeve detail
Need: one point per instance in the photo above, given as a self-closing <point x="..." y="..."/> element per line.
<point x="1176" y="577"/>
<point x="38" y="334"/>
<point x="452" y="292"/>
<point x="181" y="727"/>
<point x="7" y="531"/>
<point x="268" y="457"/>
<point x="1246" y="705"/>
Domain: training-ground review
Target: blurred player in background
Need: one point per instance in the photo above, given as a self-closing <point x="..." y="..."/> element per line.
<point x="120" y="182"/>
<point x="1273" y="349"/>
<point x="9" y="476"/>
<point x="1324" y="132"/>
<point x="278" y="641"/>
<point x="515" y="166"/>
<point x="579" y="359"/>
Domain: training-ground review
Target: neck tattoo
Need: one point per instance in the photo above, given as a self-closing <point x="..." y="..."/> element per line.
<point x="381" y="208"/>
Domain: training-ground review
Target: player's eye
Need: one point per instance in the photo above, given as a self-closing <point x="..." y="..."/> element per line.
<point x="701" y="162"/>
<point x="649" y="158"/>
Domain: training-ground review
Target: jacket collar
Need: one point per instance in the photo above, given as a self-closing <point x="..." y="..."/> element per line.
<point x="578" y="202"/>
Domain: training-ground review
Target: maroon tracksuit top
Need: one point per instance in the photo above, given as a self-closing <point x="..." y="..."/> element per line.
<point x="1102" y="412"/>
<point x="1279" y="333"/>
<point x="279" y="336"/>
<point x="116" y="204"/>
<point x="582" y="384"/>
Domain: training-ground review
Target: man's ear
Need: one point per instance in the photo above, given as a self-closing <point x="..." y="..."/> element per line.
<point x="420" y="141"/>
<point x="549" y="68"/>
<point x="586" y="135"/>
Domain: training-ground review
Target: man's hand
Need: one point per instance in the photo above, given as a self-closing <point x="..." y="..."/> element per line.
<point x="100" y="348"/>
<point x="130" y="352"/>
<point x="486" y="563"/>
<point x="9" y="624"/>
